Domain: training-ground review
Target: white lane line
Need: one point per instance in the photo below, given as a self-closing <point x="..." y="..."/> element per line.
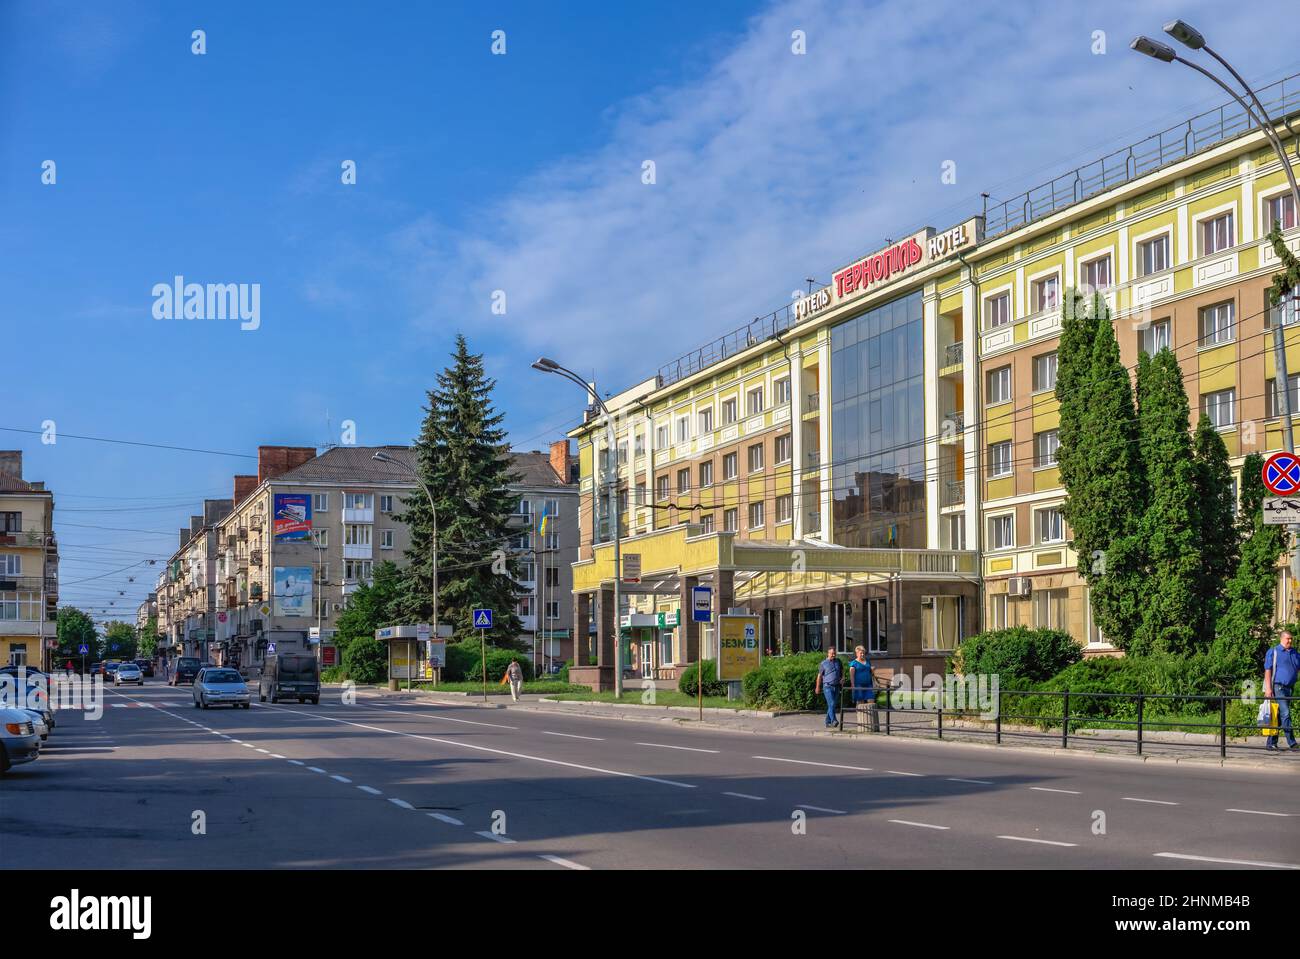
<point x="449" y="719"/>
<point x="804" y="805"/>
<point x="744" y="796"/>
<point x="566" y="863"/>
<point x="297" y="762"/>
<point x="1260" y="812"/>
<point x="316" y="769"/>
<point x="1158" y="802"/>
<point x="401" y="802"/>
<point x="234" y="740"/>
<point x="689" y="749"/>
<point x="923" y="825"/>
<point x="450" y="820"/>
<point x="249" y="746"/>
<point x="496" y="752"/>
<point x="494" y="837"/>
<point x="899" y="772"/>
<point x="1228" y="862"/>
<point x="595" y="739"/>
<point x="1046" y="789"/>
<point x="276" y="756"/>
<point x="342" y="779"/>
<point x="805" y="762"/>
<point x="118" y="705"/>
<point x="980" y="782"/>
<point x="370" y="789"/>
<point x="267" y="751"/>
<point x="1044" y="842"/>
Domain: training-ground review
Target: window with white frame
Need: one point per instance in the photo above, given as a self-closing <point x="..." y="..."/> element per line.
<point x="706" y="522"/>
<point x="552" y="609"/>
<point x="1154" y="338"/>
<point x="875" y="623"/>
<point x="782" y="389"/>
<point x="385" y="539"/>
<point x="552" y="577"/>
<point x="355" y="570"/>
<point x="706" y="420"/>
<point x="997" y="611"/>
<point x="683" y="480"/>
<point x="358" y="500"/>
<point x="1218" y="323"/>
<point x="683" y="428"/>
<point x="1219" y="407"/>
<point x="1216" y="233"/>
<point x="1273" y="397"/>
<point x="320" y="502"/>
<point x="706" y="473"/>
<point x="1000" y="459"/>
<point x="754" y="401"/>
<point x="756" y="518"/>
<point x="639" y="497"/>
<point x="956" y="531"/>
<point x="661" y="487"/>
<point x="729" y="466"/>
<point x="1049" y="525"/>
<point x="11" y="564"/>
<point x="784" y="448"/>
<point x="755" y="455"/>
<point x="525" y="606"/>
<point x="997" y="310"/>
<point x="728" y="411"/>
<point x="638" y="444"/>
<point x="1096" y="274"/>
<point x="784" y="508"/>
<point x="321" y="537"/>
<point x="1045" y="371"/>
<point x="1046" y="444"/>
<point x="1279" y="211"/>
<point x="1051" y="609"/>
<point x="527" y="571"/>
<point x="357" y="534"/>
<point x="1153" y="255"/>
<point x="1045" y="293"/>
<point x="999" y="385"/>
<point x="1002" y="531"/>
<point x="661" y="437"/>
<point x="941" y="622"/>
<point x="731" y="520"/>
<point x="386" y="503"/>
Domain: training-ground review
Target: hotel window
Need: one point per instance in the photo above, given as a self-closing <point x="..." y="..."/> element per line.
<point x="1216" y="234"/>
<point x="784" y="448"/>
<point x="1049" y="525"/>
<point x="1218" y="324"/>
<point x="999" y="385"/>
<point x="782" y="387"/>
<point x="1045" y="447"/>
<point x="729" y="466"/>
<point x="1002" y="531"/>
<point x="683" y="429"/>
<point x="1153" y="255"/>
<point x="706" y="474"/>
<point x="1154" y="338"/>
<point x="661" y="490"/>
<point x="1051" y="609"/>
<point x="683" y="481"/>
<point x="1279" y="210"/>
<point x="997" y="612"/>
<point x="358" y="501"/>
<point x="940" y="622"/>
<point x="997" y="310"/>
<point x="784" y="508"/>
<point x="754" y="401"/>
<point x="320" y="503"/>
<point x="385" y="504"/>
<point x="706" y="420"/>
<point x="1045" y="293"/>
<point x="731" y="520"/>
<point x="756" y="515"/>
<point x="706" y="523"/>
<point x="386" y="539"/>
<point x="661" y="437"/>
<point x="1273" y="397"/>
<point x="1219" y="407"/>
<point x="728" y="411"/>
<point x="1095" y="274"/>
<point x="1000" y="459"/>
<point x="755" y="457"/>
<point x="1045" y="371"/>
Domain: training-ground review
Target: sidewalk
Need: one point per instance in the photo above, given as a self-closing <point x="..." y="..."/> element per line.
<point x="1190" y="749"/>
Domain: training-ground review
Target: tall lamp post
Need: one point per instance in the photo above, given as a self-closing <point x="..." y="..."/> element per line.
<point x="611" y="474"/>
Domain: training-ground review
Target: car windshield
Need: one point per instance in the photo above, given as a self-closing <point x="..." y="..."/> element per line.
<point x="222" y="676"/>
<point x="298" y="667"/>
<point x="187" y="662"/>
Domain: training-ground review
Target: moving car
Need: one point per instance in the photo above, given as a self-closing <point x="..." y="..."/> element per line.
<point x="128" y="672"/>
<point x="19" y="740"/>
<point x="220" y="684"/>
<point x="290" y="676"/>
<point x="146" y="667"/>
<point x="187" y="669"/>
<point x="110" y="667"/>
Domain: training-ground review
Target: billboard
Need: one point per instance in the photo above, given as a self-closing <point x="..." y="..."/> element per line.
<point x="291" y="589"/>
<point x="292" y="519"/>
<point x="739" y="650"/>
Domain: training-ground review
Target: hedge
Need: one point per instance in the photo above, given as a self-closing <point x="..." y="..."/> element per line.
<point x="1034" y="655"/>
<point x="785" y="682"/>
<point x="465" y="662"/>
<point x="688" y="681"/>
<point x="366" y="660"/>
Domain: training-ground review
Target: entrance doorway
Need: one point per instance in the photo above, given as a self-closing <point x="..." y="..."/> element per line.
<point x="647" y="660"/>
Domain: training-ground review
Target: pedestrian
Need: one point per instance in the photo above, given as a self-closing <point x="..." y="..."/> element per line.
<point x="1281" y="664"/>
<point x="830" y="674"/>
<point x="864" y="690"/>
<point x="167" y="669"/>
<point x="515" y="676"/>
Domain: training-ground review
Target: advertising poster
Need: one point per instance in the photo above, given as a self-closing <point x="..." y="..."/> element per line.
<point x="292" y="591"/>
<point x="292" y="517"/>
<point x="738" y="648"/>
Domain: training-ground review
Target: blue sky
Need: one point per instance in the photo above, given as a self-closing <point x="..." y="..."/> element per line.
<point x="477" y="173"/>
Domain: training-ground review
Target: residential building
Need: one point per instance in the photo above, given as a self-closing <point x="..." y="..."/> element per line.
<point x="29" y="567"/>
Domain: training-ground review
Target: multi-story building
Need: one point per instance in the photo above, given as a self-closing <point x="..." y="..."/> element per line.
<point x="29" y="567"/>
<point x="187" y="616"/>
<point x="875" y="464"/>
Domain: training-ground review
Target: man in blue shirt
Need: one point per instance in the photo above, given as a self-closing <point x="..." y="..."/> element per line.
<point x="1281" y="664"/>
<point x="830" y="674"/>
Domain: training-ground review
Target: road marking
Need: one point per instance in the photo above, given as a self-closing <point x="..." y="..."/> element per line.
<point x="342" y="779"/>
<point x="1229" y="862"/>
<point x="1045" y="842"/>
<point x="689" y="749"/>
<point x="899" y="772"/>
<point x="1260" y="812"/>
<point x="248" y="745"/>
<point x="467" y="722"/>
<point x="595" y="739"/>
<point x="1045" y="789"/>
<point x="805" y="762"/>
<point x="316" y="769"/>
<point x="494" y="837"/>
<point x="804" y="805"/>
<point x="401" y="802"/>
<point x="980" y="782"/>
<point x="118" y="705"/>
<point x="276" y="756"/>
<point x="370" y="789"/>
<point x="743" y="796"/>
<point x="234" y="740"/>
<point x="566" y="863"/>
<point x="297" y="762"/>
<point x="923" y="825"/>
<point x="267" y="751"/>
<point x="450" y="820"/>
<point x="1158" y="802"/>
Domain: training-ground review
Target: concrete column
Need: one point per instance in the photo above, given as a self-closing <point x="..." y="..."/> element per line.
<point x="800" y="465"/>
<point x="606" y="627"/>
<point x="581" y="616"/>
<point x="824" y="400"/>
<point x="724" y="592"/>
<point x="973" y="404"/>
<point x="689" y="629"/>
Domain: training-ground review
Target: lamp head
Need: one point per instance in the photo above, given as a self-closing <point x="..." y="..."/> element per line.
<point x="382" y="457"/>
<point x="1185" y="33"/>
<point x="546" y="365"/>
<point x="1154" y="49"/>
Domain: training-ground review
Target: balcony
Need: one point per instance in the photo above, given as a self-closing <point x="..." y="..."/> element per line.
<point x="954" y="493"/>
<point x="952" y="427"/>
<point x="812" y="403"/>
<point x="812" y="523"/>
<point x="364" y="514"/>
<point x="814" y="459"/>
<point x="953" y="355"/>
<point x="255" y="557"/>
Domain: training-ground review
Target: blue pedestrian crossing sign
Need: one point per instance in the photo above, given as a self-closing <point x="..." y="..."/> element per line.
<point x="482" y="618"/>
<point x="83" y="650"/>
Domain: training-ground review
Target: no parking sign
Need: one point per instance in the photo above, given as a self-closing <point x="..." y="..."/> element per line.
<point x="1282" y="474"/>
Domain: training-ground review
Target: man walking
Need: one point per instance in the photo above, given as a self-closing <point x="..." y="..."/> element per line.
<point x="829" y="676"/>
<point x="1281" y="664"/>
<point x="515" y="676"/>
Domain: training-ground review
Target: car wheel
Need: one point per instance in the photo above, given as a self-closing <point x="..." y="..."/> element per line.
<point x="273" y="699"/>
<point x="261" y="696"/>
<point x="203" y="702"/>
<point x="301" y="700"/>
<point x="196" y="704"/>
<point x="315" y="700"/>
<point x="248" y="705"/>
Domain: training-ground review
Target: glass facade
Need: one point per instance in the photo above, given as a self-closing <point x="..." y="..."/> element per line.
<point x="877" y="427"/>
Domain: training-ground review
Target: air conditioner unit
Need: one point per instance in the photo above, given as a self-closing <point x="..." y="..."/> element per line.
<point x="1020" y="586"/>
<point x="336" y="607"/>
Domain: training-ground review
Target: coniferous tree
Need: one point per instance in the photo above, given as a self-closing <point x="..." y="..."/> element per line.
<point x="1244" y="630"/>
<point x="1218" y="531"/>
<point x="1073" y="372"/>
<point x="462" y="457"/>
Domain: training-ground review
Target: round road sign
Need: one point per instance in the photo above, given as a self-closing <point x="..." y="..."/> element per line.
<point x="1282" y="474"/>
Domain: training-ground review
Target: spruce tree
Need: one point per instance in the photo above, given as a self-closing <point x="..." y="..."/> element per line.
<point x="462" y="457"/>
<point x="1244" y="629"/>
<point x="1218" y="530"/>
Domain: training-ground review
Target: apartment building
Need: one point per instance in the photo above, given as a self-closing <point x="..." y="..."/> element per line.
<point x="29" y="567"/>
<point x="187" y="587"/>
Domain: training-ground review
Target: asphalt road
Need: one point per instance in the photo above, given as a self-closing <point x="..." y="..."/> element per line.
<point x="381" y="784"/>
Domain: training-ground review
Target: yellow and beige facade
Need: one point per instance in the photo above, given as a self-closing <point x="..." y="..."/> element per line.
<point x="29" y="567"/>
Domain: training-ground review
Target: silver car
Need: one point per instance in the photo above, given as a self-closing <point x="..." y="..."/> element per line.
<point x="128" y="673"/>
<point x="19" y="740"/>
<point x="220" y="684"/>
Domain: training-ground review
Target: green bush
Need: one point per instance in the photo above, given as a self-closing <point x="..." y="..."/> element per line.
<point x="1027" y="654"/>
<point x="470" y="663"/>
<point x="333" y="674"/>
<point x="366" y="660"/>
<point x="688" y="681"/>
<point x="785" y="682"/>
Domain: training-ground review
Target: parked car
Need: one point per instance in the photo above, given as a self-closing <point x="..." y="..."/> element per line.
<point x="110" y="667"/>
<point x="34" y="698"/>
<point x="187" y="669"/>
<point x="19" y="740"/>
<point x="146" y="667"/>
<point x="290" y="676"/>
<point x="220" y="684"/>
<point x="96" y="669"/>
<point x="128" y="672"/>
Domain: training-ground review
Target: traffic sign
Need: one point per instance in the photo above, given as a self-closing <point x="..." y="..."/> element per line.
<point x="1282" y="474"/>
<point x="631" y="568"/>
<point x="83" y="650"/>
<point x="702" y="604"/>
<point x="270" y="647"/>
<point x="482" y="618"/>
<point x="1281" y="510"/>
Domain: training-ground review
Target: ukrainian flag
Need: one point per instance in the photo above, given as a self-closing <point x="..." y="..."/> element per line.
<point x="545" y="523"/>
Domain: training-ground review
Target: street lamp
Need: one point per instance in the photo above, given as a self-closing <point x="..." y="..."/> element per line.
<point x="550" y="366"/>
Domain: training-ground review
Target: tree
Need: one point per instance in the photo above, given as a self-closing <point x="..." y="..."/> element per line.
<point x="462" y="457"/>
<point x="120" y="641"/>
<point x="75" y="628"/>
<point x="371" y="606"/>
<point x="1244" y="630"/>
<point x="1218" y="523"/>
